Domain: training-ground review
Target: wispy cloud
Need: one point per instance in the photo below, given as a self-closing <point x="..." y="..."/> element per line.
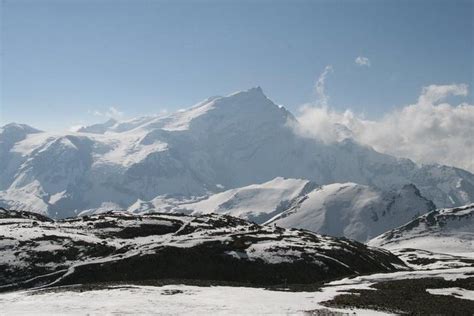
<point x="362" y="61"/>
<point x="320" y="86"/>
<point x="75" y="128"/>
<point x="111" y="112"/>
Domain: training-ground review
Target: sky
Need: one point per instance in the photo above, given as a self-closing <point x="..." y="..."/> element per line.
<point x="71" y="62"/>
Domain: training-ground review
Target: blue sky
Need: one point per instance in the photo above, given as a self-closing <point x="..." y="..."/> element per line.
<point x="64" y="60"/>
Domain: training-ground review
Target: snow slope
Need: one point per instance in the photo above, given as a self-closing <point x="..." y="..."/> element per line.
<point x="179" y="299"/>
<point x="448" y="231"/>
<point x="256" y="202"/>
<point x="220" y="143"/>
<point x="352" y="210"/>
<point x="420" y="259"/>
<point x="174" y="300"/>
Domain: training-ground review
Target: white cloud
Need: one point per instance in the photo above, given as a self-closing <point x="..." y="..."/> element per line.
<point x="362" y="61"/>
<point x="435" y="93"/>
<point x="316" y="120"/>
<point x="111" y="112"/>
<point x="323" y="123"/>
<point x="320" y="86"/>
<point x="428" y="131"/>
<point x="96" y="113"/>
<point x="75" y="128"/>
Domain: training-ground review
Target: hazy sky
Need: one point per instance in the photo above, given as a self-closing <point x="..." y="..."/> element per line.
<point x="64" y="62"/>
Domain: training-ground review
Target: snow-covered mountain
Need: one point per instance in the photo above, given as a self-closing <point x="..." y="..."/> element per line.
<point x="352" y="210"/>
<point x="341" y="209"/>
<point x="256" y="202"/>
<point x="448" y="231"/>
<point x="220" y="143"/>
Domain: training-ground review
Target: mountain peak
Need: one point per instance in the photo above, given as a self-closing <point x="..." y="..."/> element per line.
<point x="252" y="92"/>
<point x="19" y="127"/>
<point x="99" y="128"/>
<point x="256" y="89"/>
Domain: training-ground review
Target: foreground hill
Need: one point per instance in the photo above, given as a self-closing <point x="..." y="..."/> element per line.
<point x="221" y="143"/>
<point x="448" y="231"/>
<point x="36" y="250"/>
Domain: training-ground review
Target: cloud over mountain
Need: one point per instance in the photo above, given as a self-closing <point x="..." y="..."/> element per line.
<point x="428" y="131"/>
<point x="362" y="61"/>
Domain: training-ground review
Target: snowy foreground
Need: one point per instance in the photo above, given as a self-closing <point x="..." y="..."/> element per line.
<point x="122" y="263"/>
<point x="196" y="300"/>
<point x="170" y="299"/>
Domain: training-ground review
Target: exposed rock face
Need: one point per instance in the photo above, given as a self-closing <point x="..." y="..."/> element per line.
<point x="36" y="250"/>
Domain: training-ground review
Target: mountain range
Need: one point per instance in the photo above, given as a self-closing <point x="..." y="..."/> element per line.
<point x="347" y="210"/>
<point x="220" y="144"/>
